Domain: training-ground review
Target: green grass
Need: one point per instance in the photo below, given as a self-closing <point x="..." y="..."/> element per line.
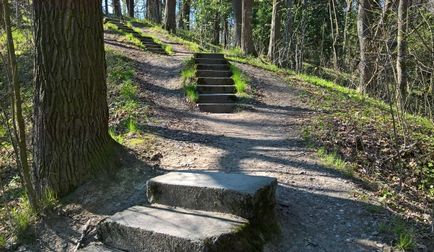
<point x="23" y="217"/>
<point x="240" y="81"/>
<point x="331" y="159"/>
<point x="403" y="236"/>
<point x="2" y="241"/>
<point x="188" y="75"/>
<point x="191" y="92"/>
<point x="125" y="102"/>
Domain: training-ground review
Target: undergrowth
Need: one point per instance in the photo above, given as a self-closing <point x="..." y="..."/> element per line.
<point x="240" y="81"/>
<point x="128" y="113"/>
<point x="188" y="75"/>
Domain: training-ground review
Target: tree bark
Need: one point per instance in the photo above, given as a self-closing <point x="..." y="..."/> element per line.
<point x="401" y="90"/>
<point x="184" y="18"/>
<point x="246" y="34"/>
<point x="130" y="7"/>
<point x="117" y="8"/>
<point x="70" y="139"/>
<point x="237" y="7"/>
<point x="153" y="11"/>
<point x="18" y="119"/>
<point x="275" y="33"/>
<point x="170" y="16"/>
<point x="364" y="30"/>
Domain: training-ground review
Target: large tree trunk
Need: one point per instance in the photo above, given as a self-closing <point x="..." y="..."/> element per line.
<point x="364" y="30"/>
<point x="401" y="90"/>
<point x="71" y="141"/>
<point x="237" y="7"/>
<point x="18" y="119"/>
<point x="246" y="34"/>
<point x="117" y="8"/>
<point x="170" y="16"/>
<point x="184" y="17"/>
<point x="153" y="10"/>
<point x="275" y="33"/>
<point x="130" y="7"/>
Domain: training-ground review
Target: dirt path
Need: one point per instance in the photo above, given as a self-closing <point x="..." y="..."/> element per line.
<point x="317" y="206"/>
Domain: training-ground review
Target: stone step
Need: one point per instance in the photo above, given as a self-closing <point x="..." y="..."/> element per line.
<point x="217" y="107"/>
<point x="159" y="228"/>
<point x="213" y="73"/>
<point x="217" y="98"/>
<point x="209" y="55"/>
<point x="210" y="61"/>
<point x="251" y="197"/>
<point x="215" y="67"/>
<point x="211" y="89"/>
<point x="215" y="81"/>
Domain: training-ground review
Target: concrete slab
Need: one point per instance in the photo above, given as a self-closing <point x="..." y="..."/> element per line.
<point x="209" y="55"/>
<point x="217" y="98"/>
<point x="160" y="228"/>
<point x="215" y="81"/>
<point x="212" y="89"/>
<point x="251" y="197"/>
<point x="217" y="107"/>
<point x="213" y="73"/>
<point x="98" y="248"/>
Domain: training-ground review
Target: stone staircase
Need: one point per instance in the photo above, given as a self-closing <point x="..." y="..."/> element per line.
<point x="194" y="211"/>
<point x="217" y="93"/>
<point x="148" y="42"/>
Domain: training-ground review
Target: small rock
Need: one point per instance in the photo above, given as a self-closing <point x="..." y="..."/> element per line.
<point x="156" y="157"/>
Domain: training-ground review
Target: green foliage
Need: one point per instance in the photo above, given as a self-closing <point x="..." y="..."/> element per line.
<point x="132" y="125"/>
<point x="188" y="75"/>
<point x="191" y="92"/>
<point x="128" y="90"/>
<point x="22" y="218"/>
<point x="49" y="199"/>
<point x="402" y="235"/>
<point x="332" y="159"/>
<point x="2" y="241"/>
<point x="240" y="81"/>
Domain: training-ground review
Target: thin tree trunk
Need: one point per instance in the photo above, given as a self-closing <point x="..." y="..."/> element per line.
<point x="170" y="16"/>
<point x="401" y="90"/>
<point x="106" y="7"/>
<point x="70" y="139"/>
<point x="18" y="119"/>
<point x="130" y="7"/>
<point x="153" y="10"/>
<point x="184" y="17"/>
<point x="117" y="8"/>
<point x="275" y="33"/>
<point x="345" y="34"/>
<point x="364" y="17"/>
<point x="246" y="34"/>
<point x="216" y="32"/>
<point x="237" y="7"/>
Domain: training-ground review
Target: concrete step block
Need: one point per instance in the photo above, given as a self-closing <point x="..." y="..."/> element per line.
<point x="210" y="61"/>
<point x="217" y="107"/>
<point x="212" y="89"/>
<point x="159" y="228"/>
<point x="213" y="73"/>
<point x="215" y="81"/>
<point x="251" y="197"/>
<point x="217" y="98"/>
<point x="215" y="67"/>
<point x="209" y="55"/>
